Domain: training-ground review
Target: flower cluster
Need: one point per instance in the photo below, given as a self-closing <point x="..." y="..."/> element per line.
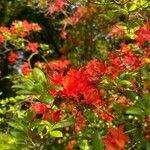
<point x="56" y="6"/>
<point x="12" y="57"/>
<point x="105" y="96"/>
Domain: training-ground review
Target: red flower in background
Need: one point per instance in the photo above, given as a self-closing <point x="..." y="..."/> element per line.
<point x="57" y="6"/>
<point x="30" y="26"/>
<point x="76" y="16"/>
<point x="129" y="58"/>
<point x="39" y="108"/>
<point x="25" y="26"/>
<point x="12" y="57"/>
<point x="32" y="46"/>
<point x="117" y="30"/>
<point x="60" y="64"/>
<point x="70" y="145"/>
<point x="25" y="69"/>
<point x="1" y="38"/>
<point x="115" y="138"/>
<point x="143" y="34"/>
<point x="95" y="68"/>
<point x="115" y="66"/>
<point x="147" y="129"/>
<point x="93" y="96"/>
<point x="80" y="122"/>
<point x="53" y="115"/>
<point x="63" y="34"/>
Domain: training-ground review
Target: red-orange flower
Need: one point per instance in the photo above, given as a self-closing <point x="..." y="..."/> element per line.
<point x="143" y="34"/>
<point x="70" y="145"/>
<point x="115" y="138"/>
<point x="12" y="57"/>
<point x="1" y="38"/>
<point x="95" y="68"/>
<point x="80" y="122"/>
<point x="25" y="69"/>
<point x="76" y="16"/>
<point x="57" y="6"/>
<point x="53" y="115"/>
<point x="32" y="46"/>
<point x="39" y="108"/>
<point x="117" y="30"/>
<point x="24" y="26"/>
<point x="60" y="64"/>
<point x="30" y="26"/>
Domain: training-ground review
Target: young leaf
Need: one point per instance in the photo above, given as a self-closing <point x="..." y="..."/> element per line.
<point x="38" y="88"/>
<point x="47" y="98"/>
<point x="55" y="86"/>
<point x="97" y="142"/>
<point x="56" y="133"/>
<point x="25" y="92"/>
<point x="132" y="95"/>
<point x="134" y="111"/>
<point x="124" y="83"/>
<point x="20" y="135"/>
<point x="38" y="75"/>
<point x="67" y="122"/>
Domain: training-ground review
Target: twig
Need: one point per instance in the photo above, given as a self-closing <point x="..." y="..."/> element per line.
<point x="30" y="57"/>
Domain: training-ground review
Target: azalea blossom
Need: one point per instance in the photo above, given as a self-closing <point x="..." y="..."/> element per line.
<point x="25" y="69"/>
<point x="115" y="138"/>
<point x="32" y="46"/>
<point x="1" y="38"/>
<point x="71" y="144"/>
<point x="55" y="6"/>
<point x="60" y="64"/>
<point x="117" y="30"/>
<point x="53" y="115"/>
<point x="39" y="108"/>
<point x="12" y="57"/>
<point x="143" y="34"/>
<point x="80" y="122"/>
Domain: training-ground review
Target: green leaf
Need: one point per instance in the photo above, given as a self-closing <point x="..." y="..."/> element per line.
<point x="134" y="111"/>
<point x="18" y="124"/>
<point x="35" y="124"/>
<point x="133" y="7"/>
<point x="25" y="92"/>
<point x="56" y="126"/>
<point x="126" y="75"/>
<point x="56" y="133"/>
<point x="145" y="72"/>
<point x="67" y="122"/>
<point x="55" y="86"/>
<point x="47" y="98"/>
<point x="47" y="124"/>
<point x="105" y="86"/>
<point x="20" y="135"/>
<point x="38" y="88"/>
<point x="18" y="86"/>
<point x="147" y="60"/>
<point x="38" y="75"/>
<point x="28" y="84"/>
<point x="145" y="103"/>
<point x="29" y="115"/>
<point x="132" y="95"/>
<point x="40" y="129"/>
<point x="124" y="83"/>
<point x="97" y="141"/>
<point x="147" y="145"/>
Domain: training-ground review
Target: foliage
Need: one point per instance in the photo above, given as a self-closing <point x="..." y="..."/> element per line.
<point x="96" y="95"/>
